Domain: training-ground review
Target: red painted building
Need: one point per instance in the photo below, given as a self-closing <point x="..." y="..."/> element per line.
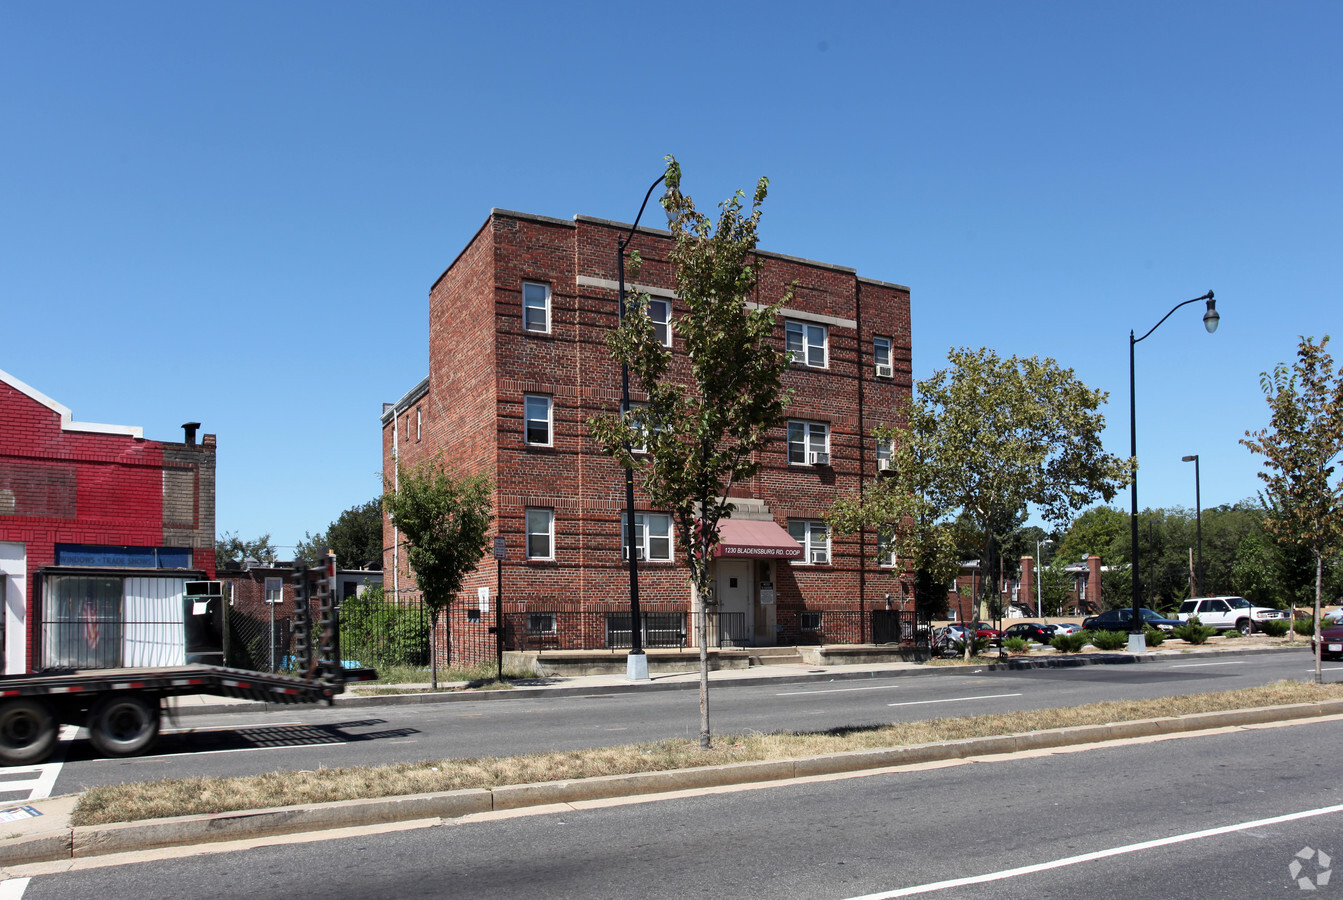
<point x="99" y="531"/>
<point x="518" y="364"/>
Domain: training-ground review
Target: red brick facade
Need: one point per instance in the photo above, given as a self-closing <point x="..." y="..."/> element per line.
<point x="76" y="483"/>
<point x="482" y="361"/>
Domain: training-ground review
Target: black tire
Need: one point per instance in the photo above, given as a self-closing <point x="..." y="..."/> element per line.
<point x="28" y="732"/>
<point x="124" y="724"/>
<point x="1244" y="626"/>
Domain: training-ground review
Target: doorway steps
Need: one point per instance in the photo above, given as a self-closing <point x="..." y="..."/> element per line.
<point x="775" y="656"/>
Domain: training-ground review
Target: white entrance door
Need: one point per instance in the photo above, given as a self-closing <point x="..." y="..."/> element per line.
<point x="735" y="601"/>
<point x="13" y="595"/>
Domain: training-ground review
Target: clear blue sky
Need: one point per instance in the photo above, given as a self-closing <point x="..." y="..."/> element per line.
<point x="232" y="212"/>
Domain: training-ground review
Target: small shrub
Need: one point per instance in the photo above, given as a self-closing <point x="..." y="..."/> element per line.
<point x="1232" y="633"/>
<point x="1154" y="636"/>
<point x="1193" y="633"/>
<point x="1304" y="625"/>
<point x="1069" y="643"/>
<point x="1016" y="644"/>
<point x="1108" y="640"/>
<point x="1275" y="627"/>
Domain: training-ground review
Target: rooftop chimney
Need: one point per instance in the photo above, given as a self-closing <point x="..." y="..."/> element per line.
<point x="190" y="429"/>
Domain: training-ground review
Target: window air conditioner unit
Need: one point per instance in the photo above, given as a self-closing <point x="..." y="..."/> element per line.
<point x="638" y="551"/>
<point x="883" y="371"/>
<point x="883" y="465"/>
<point x="819" y="458"/>
<point x="819" y="557"/>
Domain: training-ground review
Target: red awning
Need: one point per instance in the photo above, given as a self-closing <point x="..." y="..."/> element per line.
<point x="756" y="540"/>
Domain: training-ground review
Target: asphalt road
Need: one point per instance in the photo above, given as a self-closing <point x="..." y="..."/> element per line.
<point x="299" y="738"/>
<point x="1126" y="820"/>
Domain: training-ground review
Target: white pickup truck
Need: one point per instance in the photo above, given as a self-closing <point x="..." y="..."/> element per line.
<point x="1225" y="613"/>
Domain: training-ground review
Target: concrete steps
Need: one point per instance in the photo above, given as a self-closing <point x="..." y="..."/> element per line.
<point x="775" y="656"/>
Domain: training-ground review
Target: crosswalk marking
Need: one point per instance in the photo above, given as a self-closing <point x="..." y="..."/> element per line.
<point x="38" y="780"/>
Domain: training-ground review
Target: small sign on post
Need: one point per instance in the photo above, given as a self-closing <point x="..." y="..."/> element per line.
<point x="499" y="548"/>
<point x="483" y="598"/>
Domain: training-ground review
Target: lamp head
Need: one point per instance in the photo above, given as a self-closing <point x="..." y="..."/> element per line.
<point x="1211" y="318"/>
<point x="1193" y="458"/>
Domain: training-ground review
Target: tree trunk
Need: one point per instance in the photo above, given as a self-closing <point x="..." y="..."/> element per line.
<point x="702" y="626"/>
<point x="1319" y="584"/>
<point x="433" y="648"/>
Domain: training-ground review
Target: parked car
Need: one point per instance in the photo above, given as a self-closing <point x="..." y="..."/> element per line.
<point x="1225" y="613"/>
<point x="1065" y="628"/>
<point x="1031" y="631"/>
<point x="1122" y="620"/>
<point x="1331" y="641"/>
<point x="985" y="633"/>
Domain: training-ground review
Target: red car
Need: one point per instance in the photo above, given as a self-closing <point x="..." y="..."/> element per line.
<point x="985" y="633"/>
<point x="1331" y="641"/>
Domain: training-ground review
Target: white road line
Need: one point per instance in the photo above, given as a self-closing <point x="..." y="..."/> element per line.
<point x="45" y="774"/>
<point x="872" y="687"/>
<point x="13" y="888"/>
<point x="1233" y="662"/>
<point x="195" y="753"/>
<point x="954" y="699"/>
<point x="1100" y="854"/>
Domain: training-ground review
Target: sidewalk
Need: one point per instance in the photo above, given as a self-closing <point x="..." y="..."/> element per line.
<point x="41" y="830"/>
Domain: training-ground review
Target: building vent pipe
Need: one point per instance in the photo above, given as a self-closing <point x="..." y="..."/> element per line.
<point x="190" y="429"/>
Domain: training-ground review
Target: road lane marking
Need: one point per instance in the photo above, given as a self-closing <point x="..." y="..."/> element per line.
<point x="848" y="690"/>
<point x="954" y="699"/>
<point x="1233" y="662"/>
<point x="1101" y="854"/>
<point x="13" y="888"/>
<point x="193" y="753"/>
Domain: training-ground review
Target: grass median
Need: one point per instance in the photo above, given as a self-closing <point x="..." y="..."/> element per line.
<point x="188" y="796"/>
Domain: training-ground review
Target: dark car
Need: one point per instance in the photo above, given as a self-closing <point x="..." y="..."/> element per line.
<point x="1331" y="641"/>
<point x="1031" y="631"/>
<point x="1122" y="620"/>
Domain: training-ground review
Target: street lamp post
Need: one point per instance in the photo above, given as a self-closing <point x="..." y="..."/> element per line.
<point x="1198" y="519"/>
<point x="1137" y="642"/>
<point x="1039" y="569"/>
<point x="636" y="664"/>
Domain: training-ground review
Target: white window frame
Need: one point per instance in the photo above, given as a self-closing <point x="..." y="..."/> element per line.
<point x="886" y="557"/>
<point x="278" y="594"/>
<point x="813" y="535"/>
<point x="652" y="537"/>
<point x="540" y="522"/>
<point x="419" y="423"/>
<point x="531" y="304"/>
<point x="810" y="437"/>
<point x="662" y="321"/>
<point x="885" y="454"/>
<point x="641" y="429"/>
<point x="528" y="401"/>
<point x="881" y="357"/>
<point x="808" y="343"/>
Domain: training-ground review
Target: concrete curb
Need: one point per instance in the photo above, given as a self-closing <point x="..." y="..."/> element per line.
<point x="913" y="670"/>
<point x="88" y="841"/>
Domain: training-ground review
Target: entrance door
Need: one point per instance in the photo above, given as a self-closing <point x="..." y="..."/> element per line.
<point x="735" y="602"/>
<point x="13" y="607"/>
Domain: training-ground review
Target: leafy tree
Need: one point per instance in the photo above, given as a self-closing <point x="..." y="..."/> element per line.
<point x="355" y="538"/>
<point x="987" y="436"/>
<point x="444" y="522"/>
<point x="1100" y="531"/>
<point x="1301" y="448"/>
<point x="231" y="548"/>
<point x="709" y="415"/>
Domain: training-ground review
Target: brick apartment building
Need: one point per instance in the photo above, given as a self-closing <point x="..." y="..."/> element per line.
<point x="1018" y="593"/>
<point x="518" y="364"/>
<point x="100" y="530"/>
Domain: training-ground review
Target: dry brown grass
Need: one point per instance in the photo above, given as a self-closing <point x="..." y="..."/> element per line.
<point x="175" y="797"/>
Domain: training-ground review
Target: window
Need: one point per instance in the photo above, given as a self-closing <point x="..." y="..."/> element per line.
<point x="886" y="548"/>
<point x="806" y="342"/>
<point x="540" y="534"/>
<point x="640" y="443"/>
<point x="274" y="589"/>
<point x="814" y="538"/>
<point x="659" y="312"/>
<point x="536" y="412"/>
<point x="535" y="307"/>
<point x="541" y="623"/>
<point x="652" y="536"/>
<point x="808" y="443"/>
<point x="881" y="356"/>
<point x="884" y="450"/>
<point x="811" y="621"/>
<point x="419" y="423"/>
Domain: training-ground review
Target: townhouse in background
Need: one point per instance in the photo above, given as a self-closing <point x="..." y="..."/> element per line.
<point x="100" y="531"/>
<point x="518" y="364"/>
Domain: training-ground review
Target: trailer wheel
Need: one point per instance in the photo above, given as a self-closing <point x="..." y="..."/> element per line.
<point x="124" y="724"/>
<point x="27" y="732"/>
